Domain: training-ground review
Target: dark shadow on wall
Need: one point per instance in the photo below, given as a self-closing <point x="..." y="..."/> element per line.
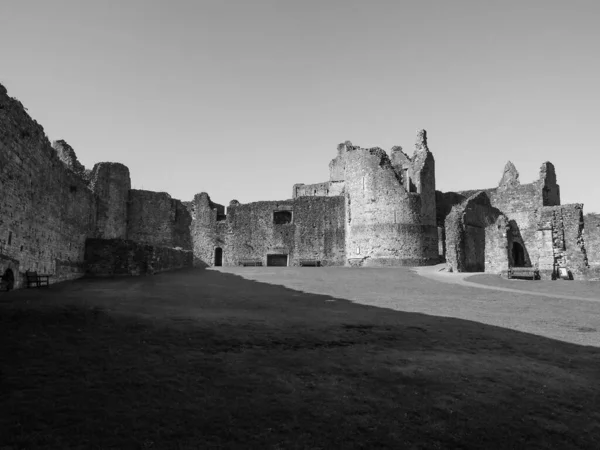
<point x="310" y="369"/>
<point x="518" y="254"/>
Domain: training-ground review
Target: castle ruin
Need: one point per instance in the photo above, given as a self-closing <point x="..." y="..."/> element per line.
<point x="59" y="218"/>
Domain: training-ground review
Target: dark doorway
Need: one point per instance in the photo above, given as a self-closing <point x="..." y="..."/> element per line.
<point x="518" y="255"/>
<point x="8" y="280"/>
<point x="277" y="260"/>
<point x="218" y="256"/>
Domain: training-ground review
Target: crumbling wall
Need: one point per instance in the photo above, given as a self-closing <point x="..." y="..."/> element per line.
<point x="67" y="155"/>
<point x="254" y="235"/>
<point x="316" y="231"/>
<point x="476" y="237"/>
<point x="155" y="218"/>
<point x="561" y="242"/>
<point x="326" y="189"/>
<point x="111" y="184"/>
<point x="592" y="238"/>
<point x="114" y="257"/>
<point x="204" y="233"/>
<point x="46" y="209"/>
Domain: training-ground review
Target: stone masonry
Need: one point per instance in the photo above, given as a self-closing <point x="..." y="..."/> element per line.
<point x="376" y="209"/>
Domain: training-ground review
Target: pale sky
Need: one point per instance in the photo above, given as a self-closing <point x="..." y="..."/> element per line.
<point x="244" y="98"/>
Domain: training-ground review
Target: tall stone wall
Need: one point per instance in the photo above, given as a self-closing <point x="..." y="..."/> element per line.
<point x="254" y="235"/>
<point x="316" y="231"/>
<point x="155" y="218"/>
<point x="111" y="184"/>
<point x="46" y="209"/>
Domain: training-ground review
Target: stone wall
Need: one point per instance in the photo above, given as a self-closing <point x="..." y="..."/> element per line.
<point x="385" y="222"/>
<point x="560" y="241"/>
<point x="155" y="218"/>
<point x="46" y="209"/>
<point x="477" y="237"/>
<point x="114" y="257"/>
<point x="248" y="231"/>
<point x="111" y="184"/>
<point x="205" y="215"/>
<point x="592" y="239"/>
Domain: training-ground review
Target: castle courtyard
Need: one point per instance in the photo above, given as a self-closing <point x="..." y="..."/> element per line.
<point x="299" y="358"/>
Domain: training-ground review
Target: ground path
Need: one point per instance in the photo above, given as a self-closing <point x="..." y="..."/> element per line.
<point x="438" y="273"/>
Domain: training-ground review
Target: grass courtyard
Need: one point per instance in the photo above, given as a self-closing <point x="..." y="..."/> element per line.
<point x="298" y="358"/>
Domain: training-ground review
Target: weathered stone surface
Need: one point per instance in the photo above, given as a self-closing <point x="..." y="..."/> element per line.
<point x="46" y="210"/>
<point x="477" y="237"/>
<point x="67" y="155"/>
<point x="114" y="257"/>
<point x="157" y="219"/>
<point x="374" y="210"/>
<point x="592" y="238"/>
<point x="510" y="177"/>
<point x="50" y="204"/>
<point x="111" y="184"/>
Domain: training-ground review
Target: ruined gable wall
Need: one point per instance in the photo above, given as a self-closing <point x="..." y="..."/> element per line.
<point x="47" y="210"/>
<point x="155" y="218"/>
<point x="592" y="238"/>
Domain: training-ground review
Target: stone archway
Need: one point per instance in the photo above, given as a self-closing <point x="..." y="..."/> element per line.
<point x="518" y="255"/>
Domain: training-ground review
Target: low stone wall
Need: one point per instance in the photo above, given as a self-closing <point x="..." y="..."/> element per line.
<point x="114" y="257"/>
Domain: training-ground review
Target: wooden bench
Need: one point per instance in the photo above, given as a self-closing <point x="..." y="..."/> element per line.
<point x="524" y="272"/>
<point x="250" y="262"/>
<point x="310" y="263"/>
<point x="36" y="280"/>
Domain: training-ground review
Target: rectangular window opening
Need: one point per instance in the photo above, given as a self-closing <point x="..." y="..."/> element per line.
<point x="282" y="217"/>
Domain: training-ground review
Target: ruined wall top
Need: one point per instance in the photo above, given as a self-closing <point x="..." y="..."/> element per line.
<point x="67" y="155"/>
<point x="510" y="177"/>
<point x="421" y="143"/>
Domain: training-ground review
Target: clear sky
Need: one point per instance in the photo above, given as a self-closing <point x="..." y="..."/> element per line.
<point x="242" y="99"/>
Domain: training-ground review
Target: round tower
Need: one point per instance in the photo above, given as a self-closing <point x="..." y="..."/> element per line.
<point x="387" y="225"/>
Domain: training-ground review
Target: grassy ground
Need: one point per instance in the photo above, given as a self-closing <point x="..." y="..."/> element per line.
<point x="557" y="287"/>
<point x="207" y="359"/>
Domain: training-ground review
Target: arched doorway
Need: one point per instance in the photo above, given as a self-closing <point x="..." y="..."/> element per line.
<point x="518" y="255"/>
<point x="218" y="256"/>
<point x="8" y="279"/>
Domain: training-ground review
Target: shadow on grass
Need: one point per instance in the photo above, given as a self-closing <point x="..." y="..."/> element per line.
<point x="203" y="359"/>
